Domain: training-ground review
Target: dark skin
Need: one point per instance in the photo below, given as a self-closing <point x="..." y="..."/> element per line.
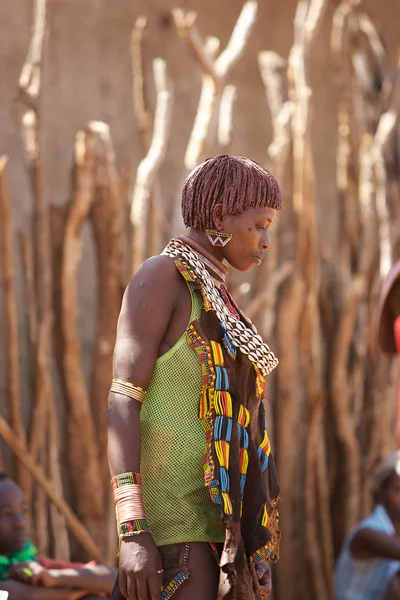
<point x="14" y="522"/>
<point x="367" y="543"/>
<point x="147" y="328"/>
<point x="40" y="583"/>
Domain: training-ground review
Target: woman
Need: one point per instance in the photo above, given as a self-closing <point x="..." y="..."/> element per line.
<point x="369" y="562"/>
<point x="194" y="480"/>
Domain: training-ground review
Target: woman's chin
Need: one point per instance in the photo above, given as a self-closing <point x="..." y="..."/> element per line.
<point x="242" y="266"/>
<point x="19" y="543"/>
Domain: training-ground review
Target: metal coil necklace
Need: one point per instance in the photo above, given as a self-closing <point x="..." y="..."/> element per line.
<point x="217" y="268"/>
<point x="243" y="335"/>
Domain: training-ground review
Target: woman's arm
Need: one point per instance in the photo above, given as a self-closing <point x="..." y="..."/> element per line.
<point x="368" y="543"/>
<point x="147" y="307"/>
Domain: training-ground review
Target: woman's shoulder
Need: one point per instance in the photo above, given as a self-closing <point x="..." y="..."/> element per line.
<point x="157" y="278"/>
<point x="161" y="268"/>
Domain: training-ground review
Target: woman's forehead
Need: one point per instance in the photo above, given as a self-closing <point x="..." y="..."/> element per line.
<point x="265" y="212"/>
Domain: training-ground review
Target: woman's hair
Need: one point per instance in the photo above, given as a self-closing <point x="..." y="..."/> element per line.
<point x="236" y="182"/>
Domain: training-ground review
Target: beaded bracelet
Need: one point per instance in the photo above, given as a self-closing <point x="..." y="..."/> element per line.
<point x="263" y="554"/>
<point x="132" y="528"/>
<point x="126" y="479"/>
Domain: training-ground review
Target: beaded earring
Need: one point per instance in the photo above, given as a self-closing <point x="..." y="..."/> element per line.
<point x="218" y="237"/>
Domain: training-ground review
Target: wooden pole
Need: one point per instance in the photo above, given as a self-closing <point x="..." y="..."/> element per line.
<point x="10" y="316"/>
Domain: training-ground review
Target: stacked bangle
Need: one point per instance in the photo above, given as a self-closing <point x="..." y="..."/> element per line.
<point x="129" y="505"/>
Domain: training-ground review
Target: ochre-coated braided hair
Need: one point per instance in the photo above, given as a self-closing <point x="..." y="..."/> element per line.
<point x="237" y="183"/>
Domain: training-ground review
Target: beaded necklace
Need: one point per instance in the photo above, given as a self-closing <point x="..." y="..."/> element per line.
<point x="242" y="333"/>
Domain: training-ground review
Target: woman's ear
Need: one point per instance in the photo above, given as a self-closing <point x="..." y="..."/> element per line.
<point x="217" y="216"/>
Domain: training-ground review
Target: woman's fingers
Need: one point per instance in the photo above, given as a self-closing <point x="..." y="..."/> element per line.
<point x="132" y="588"/>
<point x="142" y="590"/>
<point x="155" y="584"/>
<point x="123" y="587"/>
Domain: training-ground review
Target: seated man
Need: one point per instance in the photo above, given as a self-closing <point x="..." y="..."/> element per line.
<point x="369" y="561"/>
<point x="27" y="577"/>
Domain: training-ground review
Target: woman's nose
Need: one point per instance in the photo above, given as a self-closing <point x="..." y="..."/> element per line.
<point x="266" y="241"/>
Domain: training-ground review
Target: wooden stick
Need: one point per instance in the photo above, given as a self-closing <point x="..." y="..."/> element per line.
<point x="273" y="72"/>
<point x="77" y="528"/>
<point x="225" y="121"/>
<point x="272" y="68"/>
<point x="287" y="327"/>
<point x="61" y="549"/>
<point x="27" y="260"/>
<point x="204" y="113"/>
<point x="82" y="438"/>
<point x="142" y="112"/>
<point x="237" y="43"/>
<point x="30" y="78"/>
<point x="384" y="134"/>
<point x="341" y="403"/>
<point x="107" y="217"/>
<point x="40" y="520"/>
<point x="215" y="71"/>
<point x="187" y="30"/>
<point x="29" y="86"/>
<point x="10" y="316"/>
<point x="150" y="165"/>
<point x="265" y="301"/>
<point x="307" y="22"/>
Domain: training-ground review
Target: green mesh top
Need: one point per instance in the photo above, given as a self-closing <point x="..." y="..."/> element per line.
<point x="178" y="505"/>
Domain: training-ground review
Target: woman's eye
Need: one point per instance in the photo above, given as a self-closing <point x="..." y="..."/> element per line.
<point x="261" y="227"/>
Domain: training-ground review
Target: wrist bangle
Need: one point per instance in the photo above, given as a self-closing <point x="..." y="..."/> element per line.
<point x="132" y="528"/>
<point x="129" y="478"/>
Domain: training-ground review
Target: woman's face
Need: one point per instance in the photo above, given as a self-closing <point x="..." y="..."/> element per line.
<point x="250" y="237"/>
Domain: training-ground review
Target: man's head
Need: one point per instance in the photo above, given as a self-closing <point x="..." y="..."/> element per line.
<point x="387" y="484"/>
<point x="234" y="195"/>
<point x="14" y="522"/>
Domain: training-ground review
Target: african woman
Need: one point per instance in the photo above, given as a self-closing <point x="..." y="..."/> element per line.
<point x="193" y="476"/>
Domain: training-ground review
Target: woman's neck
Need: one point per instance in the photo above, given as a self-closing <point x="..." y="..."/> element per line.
<point x="212" y="262"/>
<point x="201" y="238"/>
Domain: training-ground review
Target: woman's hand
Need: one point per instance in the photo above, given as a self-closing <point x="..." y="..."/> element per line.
<point x="140" y="568"/>
<point x="264" y="577"/>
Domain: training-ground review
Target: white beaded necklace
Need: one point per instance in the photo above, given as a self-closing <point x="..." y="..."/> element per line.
<point x="243" y="336"/>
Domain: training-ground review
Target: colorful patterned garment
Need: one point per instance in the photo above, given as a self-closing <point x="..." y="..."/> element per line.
<point x="239" y="470"/>
<point x="29" y="553"/>
<point x="365" y="579"/>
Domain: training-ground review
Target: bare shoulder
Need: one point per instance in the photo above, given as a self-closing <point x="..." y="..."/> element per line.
<point x="158" y="275"/>
<point x="158" y="270"/>
<point x="153" y="291"/>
